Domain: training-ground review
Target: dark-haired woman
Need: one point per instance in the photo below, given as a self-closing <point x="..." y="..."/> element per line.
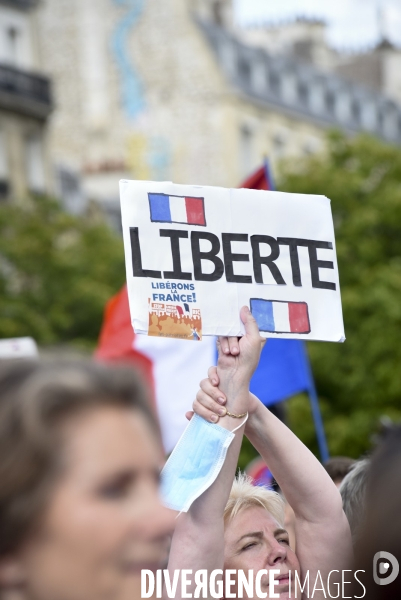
<point x="80" y="458"/>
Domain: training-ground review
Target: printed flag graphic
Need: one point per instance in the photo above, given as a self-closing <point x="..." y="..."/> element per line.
<point x="176" y="209"/>
<point x="276" y="316"/>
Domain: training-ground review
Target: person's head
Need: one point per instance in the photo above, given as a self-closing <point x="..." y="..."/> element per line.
<point x="79" y="465"/>
<point x="338" y="467"/>
<point x="353" y="494"/>
<point x="381" y="531"/>
<point x="254" y="536"/>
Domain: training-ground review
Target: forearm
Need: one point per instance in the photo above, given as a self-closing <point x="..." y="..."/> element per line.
<point x="198" y="541"/>
<point x="199" y="533"/>
<point x="303" y="480"/>
<point x="236" y="391"/>
<point x="209" y="508"/>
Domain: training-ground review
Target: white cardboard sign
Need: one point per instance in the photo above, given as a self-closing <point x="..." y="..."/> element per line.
<point x="194" y="255"/>
<point x="23" y="347"/>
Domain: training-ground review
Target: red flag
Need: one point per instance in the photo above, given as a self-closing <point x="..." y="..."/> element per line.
<point x="261" y="179"/>
<point x="117" y="336"/>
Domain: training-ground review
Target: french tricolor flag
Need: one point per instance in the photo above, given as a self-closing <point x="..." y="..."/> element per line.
<point x="275" y="316"/>
<point x="177" y="209"/>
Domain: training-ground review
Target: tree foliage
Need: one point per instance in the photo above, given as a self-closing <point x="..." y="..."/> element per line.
<point x="56" y="273"/>
<point x="358" y="381"/>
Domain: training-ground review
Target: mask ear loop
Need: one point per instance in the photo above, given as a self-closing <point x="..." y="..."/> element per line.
<point x="243" y="423"/>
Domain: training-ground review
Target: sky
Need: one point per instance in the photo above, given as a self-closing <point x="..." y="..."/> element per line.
<point x="352" y="24"/>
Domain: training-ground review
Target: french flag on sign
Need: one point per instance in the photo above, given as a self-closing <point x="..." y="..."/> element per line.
<point x="177" y="209"/>
<point x="276" y="316"/>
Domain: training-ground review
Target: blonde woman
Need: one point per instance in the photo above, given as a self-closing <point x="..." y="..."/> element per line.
<point x="240" y="528"/>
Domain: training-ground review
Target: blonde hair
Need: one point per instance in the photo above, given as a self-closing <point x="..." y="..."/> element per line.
<point x="246" y="495"/>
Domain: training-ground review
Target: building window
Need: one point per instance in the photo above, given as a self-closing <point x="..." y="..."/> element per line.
<point x="289" y="88"/>
<point x="228" y="56"/>
<point x="69" y="189"/>
<point x="4" y="174"/>
<point x="246" y="150"/>
<point x="330" y="102"/>
<point x="244" y="70"/>
<point x="343" y="107"/>
<point x="15" y="37"/>
<point x="259" y="81"/>
<point x="390" y="122"/>
<point x="274" y="82"/>
<point x="317" y="98"/>
<point x="279" y="144"/>
<point x="303" y="93"/>
<point x="34" y="164"/>
<point x="12" y="44"/>
<point x="369" y="116"/>
<point x="356" y="112"/>
<point x="217" y="12"/>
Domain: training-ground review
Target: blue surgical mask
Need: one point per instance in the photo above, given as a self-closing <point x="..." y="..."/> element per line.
<point x="194" y="463"/>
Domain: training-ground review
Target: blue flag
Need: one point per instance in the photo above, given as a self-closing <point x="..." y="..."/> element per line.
<point x="282" y="372"/>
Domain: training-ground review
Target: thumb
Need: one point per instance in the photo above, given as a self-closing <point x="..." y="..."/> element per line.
<point x="212" y="374"/>
<point x="251" y="327"/>
<point x="189" y="414"/>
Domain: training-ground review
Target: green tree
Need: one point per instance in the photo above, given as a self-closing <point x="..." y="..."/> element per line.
<point x="358" y="381"/>
<point x="56" y="273"/>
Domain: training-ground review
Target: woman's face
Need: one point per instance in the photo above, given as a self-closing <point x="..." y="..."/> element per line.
<point x="254" y="540"/>
<point x="104" y="522"/>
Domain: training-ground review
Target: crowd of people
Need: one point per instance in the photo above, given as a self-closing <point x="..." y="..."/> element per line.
<point x="80" y="509"/>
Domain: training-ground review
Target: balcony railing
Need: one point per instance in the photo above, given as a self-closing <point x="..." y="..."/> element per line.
<point x="21" y="4"/>
<point x="25" y="92"/>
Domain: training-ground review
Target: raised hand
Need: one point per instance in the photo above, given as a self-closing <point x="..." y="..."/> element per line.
<point x="241" y="355"/>
<point x="238" y="359"/>
<point x="210" y="400"/>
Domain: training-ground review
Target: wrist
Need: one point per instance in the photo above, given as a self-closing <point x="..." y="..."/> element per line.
<point x="256" y="412"/>
<point x="237" y="394"/>
<point x="256" y="407"/>
<point x="235" y="391"/>
<point x="233" y="378"/>
<point x="239" y="371"/>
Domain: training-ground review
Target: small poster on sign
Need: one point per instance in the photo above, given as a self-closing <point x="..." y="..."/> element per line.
<point x="180" y="319"/>
<point x="195" y="255"/>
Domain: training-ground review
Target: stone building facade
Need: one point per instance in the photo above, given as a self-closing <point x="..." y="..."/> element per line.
<point x="377" y="68"/>
<point x="25" y="104"/>
<point x="172" y="90"/>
